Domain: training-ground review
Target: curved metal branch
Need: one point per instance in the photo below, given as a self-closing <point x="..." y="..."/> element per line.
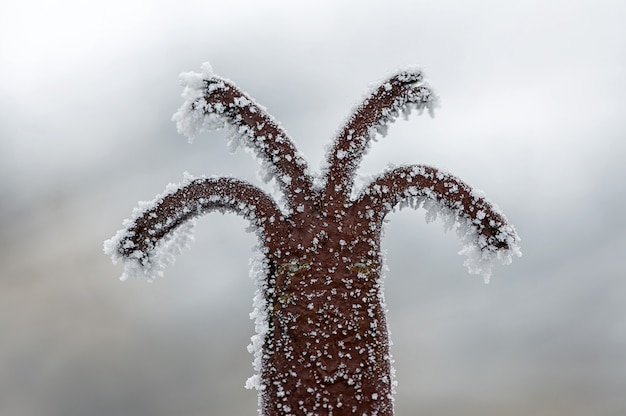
<point x="199" y="196"/>
<point x="262" y="133"/>
<point x="415" y="184"/>
<point x="401" y="92"/>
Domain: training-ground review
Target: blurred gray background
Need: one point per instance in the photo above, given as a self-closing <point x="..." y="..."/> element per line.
<point x="533" y="113"/>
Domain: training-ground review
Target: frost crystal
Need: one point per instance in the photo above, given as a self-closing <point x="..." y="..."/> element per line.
<point x="190" y="119"/>
<point x="321" y="341"/>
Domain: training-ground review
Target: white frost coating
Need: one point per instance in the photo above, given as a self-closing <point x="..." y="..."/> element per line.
<point x="481" y="250"/>
<point x="190" y="118"/>
<point x="361" y="180"/>
<point x="383" y="304"/>
<point x="258" y="273"/>
<point x="413" y="74"/>
<point x="480" y="256"/>
<point x="432" y="104"/>
<point x="196" y="115"/>
<point x="164" y="253"/>
<point x="482" y="241"/>
<point x="140" y="265"/>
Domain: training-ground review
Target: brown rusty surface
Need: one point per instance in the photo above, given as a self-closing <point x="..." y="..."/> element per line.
<point x="327" y="349"/>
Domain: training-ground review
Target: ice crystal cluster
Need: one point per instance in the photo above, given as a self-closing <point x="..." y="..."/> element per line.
<point x="322" y="344"/>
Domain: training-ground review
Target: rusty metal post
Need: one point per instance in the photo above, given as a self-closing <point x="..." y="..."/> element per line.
<point x="325" y="347"/>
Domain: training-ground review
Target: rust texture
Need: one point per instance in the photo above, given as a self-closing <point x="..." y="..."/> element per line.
<point x="326" y="351"/>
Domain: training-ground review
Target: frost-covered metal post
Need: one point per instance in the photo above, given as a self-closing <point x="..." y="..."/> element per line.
<point x="322" y="345"/>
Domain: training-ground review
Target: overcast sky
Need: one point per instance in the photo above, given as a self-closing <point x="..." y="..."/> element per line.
<point x="533" y="113"/>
